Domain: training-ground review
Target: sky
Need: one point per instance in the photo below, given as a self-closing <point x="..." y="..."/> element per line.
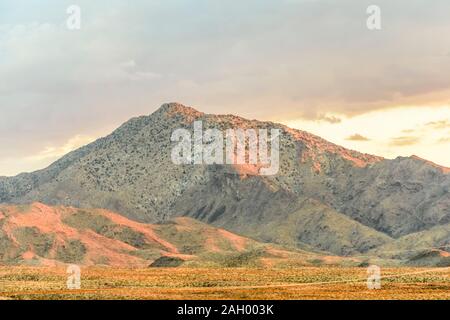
<point x="310" y="64"/>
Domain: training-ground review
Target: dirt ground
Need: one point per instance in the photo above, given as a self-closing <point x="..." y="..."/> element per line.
<point x="231" y="283"/>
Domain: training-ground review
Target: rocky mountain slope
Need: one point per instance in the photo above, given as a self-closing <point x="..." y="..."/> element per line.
<point x="324" y="196"/>
<point x="37" y="234"/>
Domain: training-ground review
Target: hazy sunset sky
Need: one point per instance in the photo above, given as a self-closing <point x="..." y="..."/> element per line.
<point x="311" y="64"/>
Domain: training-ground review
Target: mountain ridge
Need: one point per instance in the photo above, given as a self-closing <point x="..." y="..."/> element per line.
<point x="130" y="171"/>
<point x="40" y="235"/>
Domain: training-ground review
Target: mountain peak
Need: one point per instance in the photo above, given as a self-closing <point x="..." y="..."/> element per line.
<point x="173" y="108"/>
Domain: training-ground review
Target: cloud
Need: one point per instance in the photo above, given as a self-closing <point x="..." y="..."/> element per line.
<point x="444" y="139"/>
<point x="329" y="119"/>
<point x="357" y="137"/>
<point x="427" y="128"/>
<point x="132" y="72"/>
<point x="256" y="60"/>
<point x="55" y="152"/>
<point x="441" y="124"/>
<point x="12" y="165"/>
<point x="404" y="141"/>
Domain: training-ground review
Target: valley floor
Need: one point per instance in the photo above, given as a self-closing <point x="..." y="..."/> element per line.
<point x="230" y="283"/>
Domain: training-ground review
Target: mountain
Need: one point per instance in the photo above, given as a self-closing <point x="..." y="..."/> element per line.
<point x="429" y="247"/>
<point x="324" y="197"/>
<point x="38" y="234"/>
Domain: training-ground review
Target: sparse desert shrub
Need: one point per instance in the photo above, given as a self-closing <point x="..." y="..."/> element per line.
<point x="167" y="262"/>
<point x="72" y="251"/>
<point x="32" y="238"/>
<point x="124" y="234"/>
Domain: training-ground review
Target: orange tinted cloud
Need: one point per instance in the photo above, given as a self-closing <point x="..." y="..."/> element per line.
<point x="444" y="139"/>
<point x="357" y="137"/>
<point x="442" y="124"/>
<point x="404" y="141"/>
<point x="329" y="119"/>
